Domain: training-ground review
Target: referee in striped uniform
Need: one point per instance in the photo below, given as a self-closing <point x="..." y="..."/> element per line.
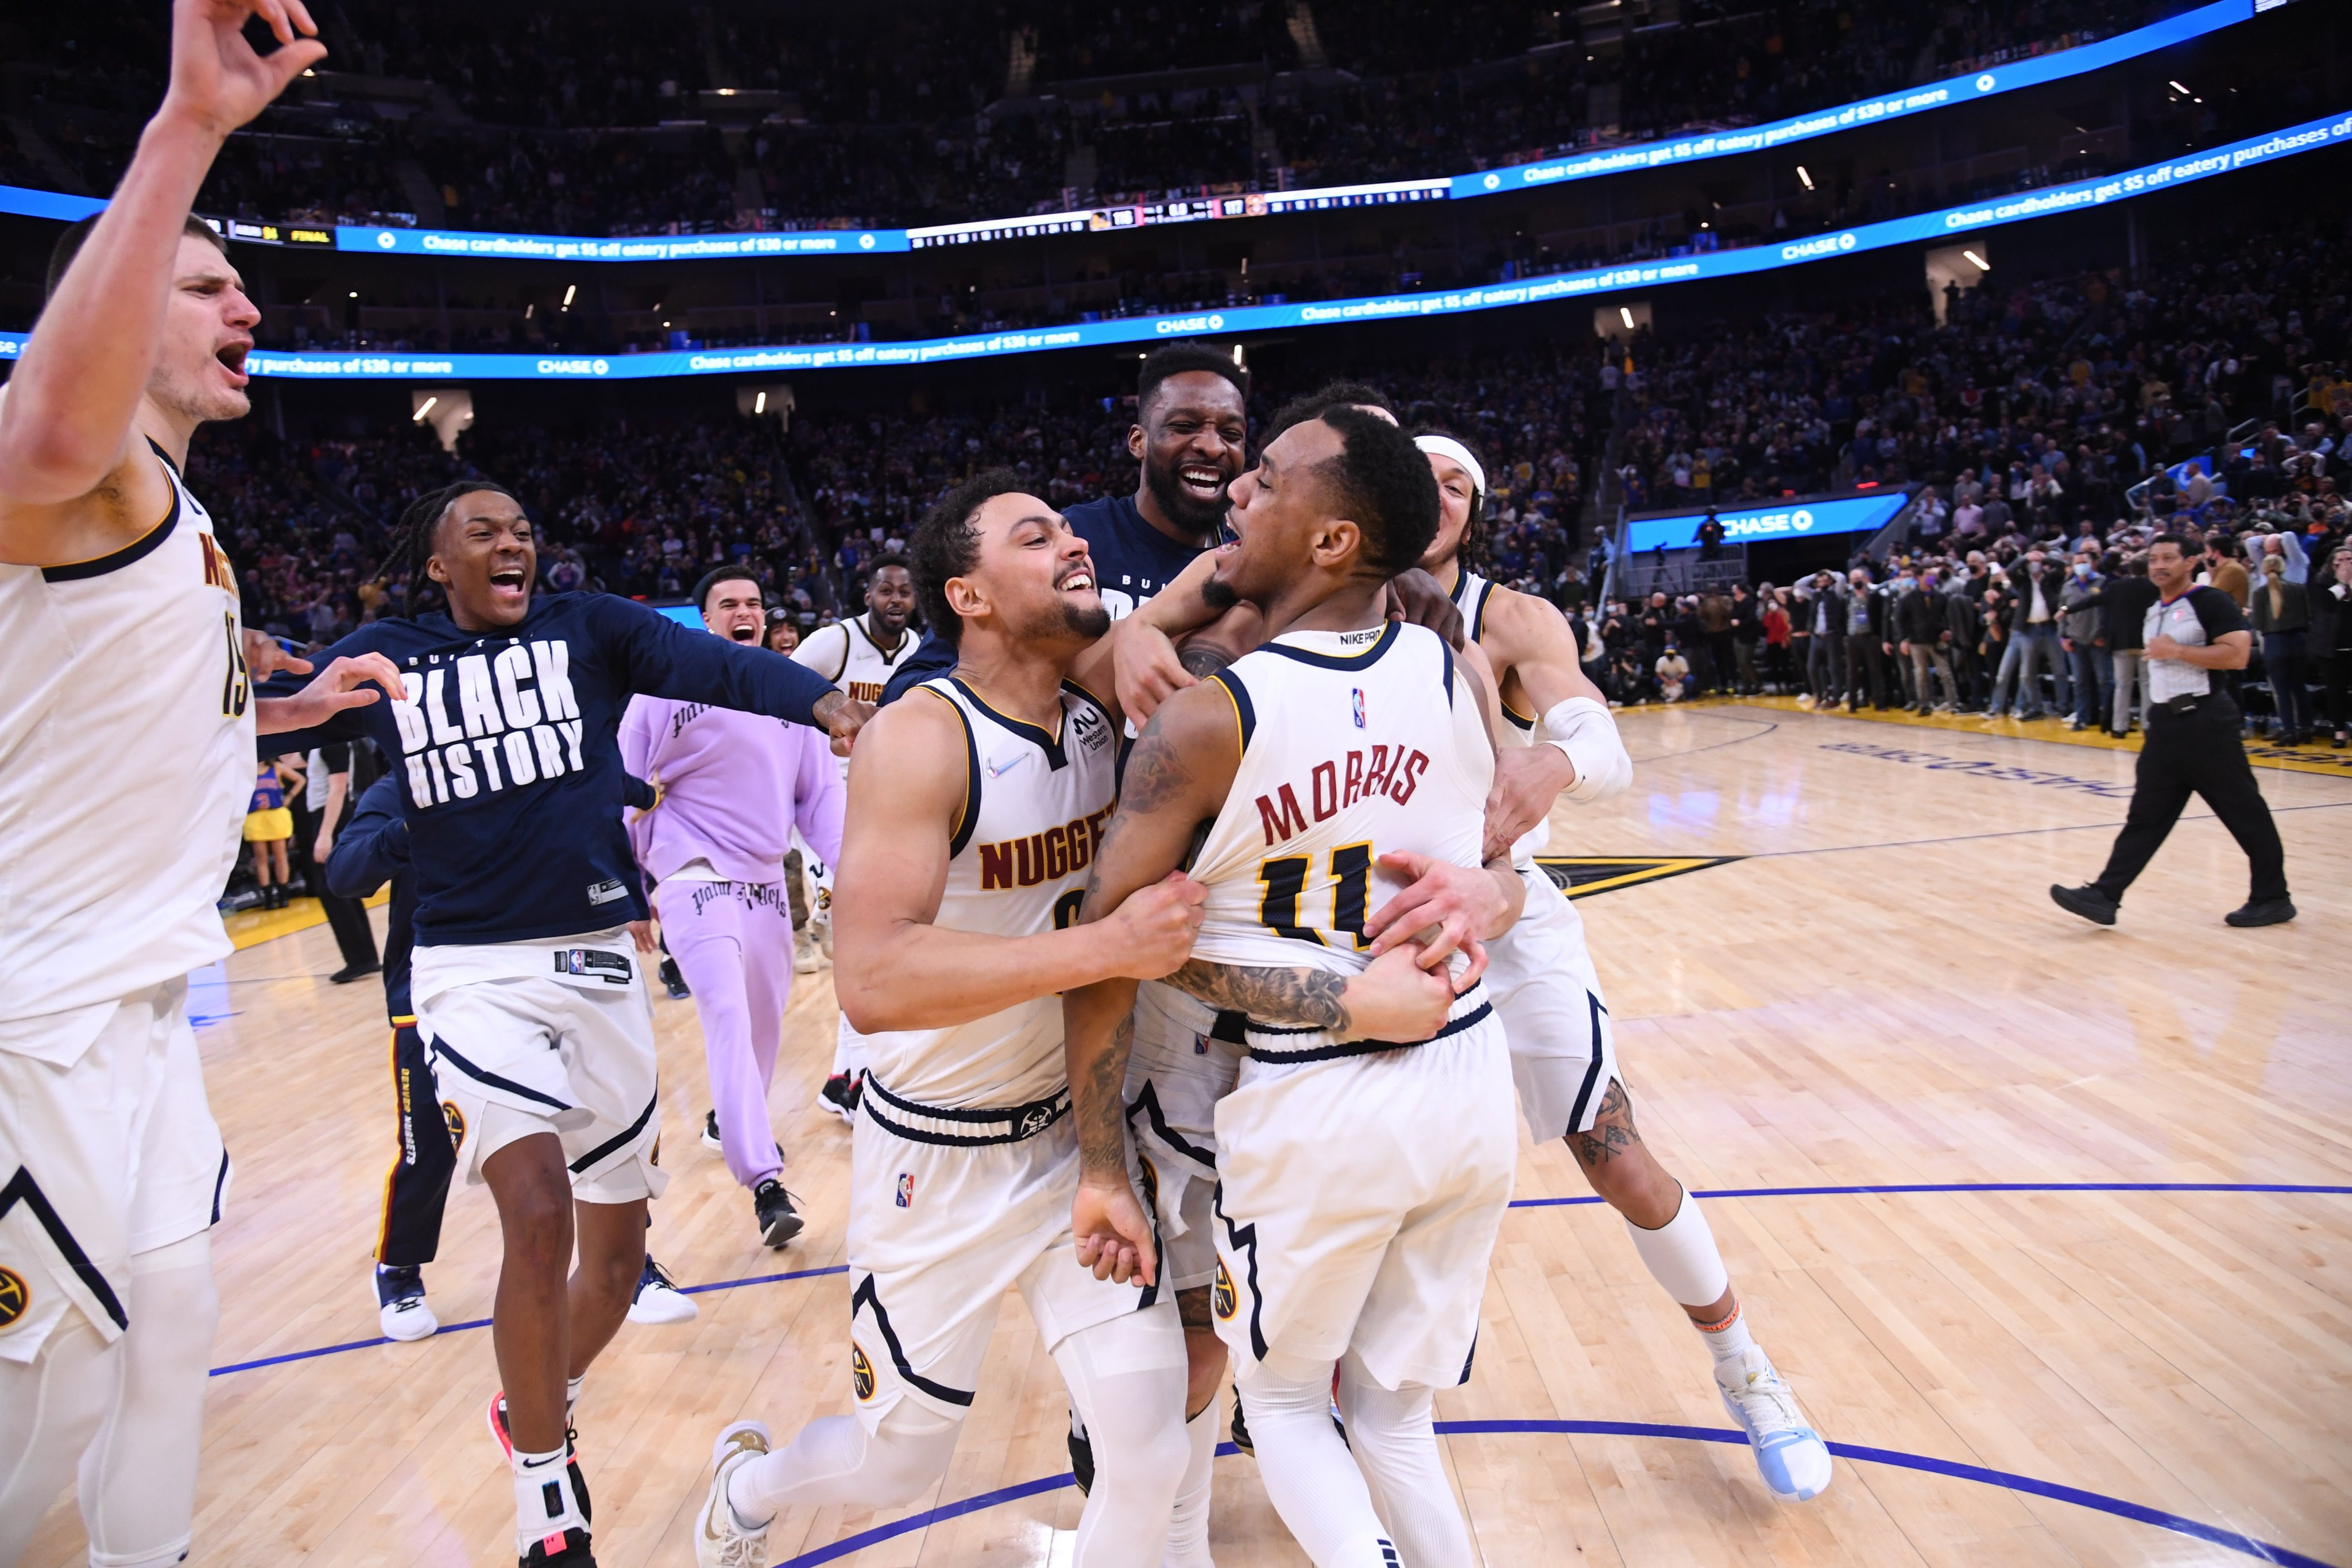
<point x="2193" y="747"/>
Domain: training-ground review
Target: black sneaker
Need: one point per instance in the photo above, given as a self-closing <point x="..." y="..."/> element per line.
<point x="840" y="1093"/>
<point x="1241" y="1429"/>
<point x="571" y="1550"/>
<point x="673" y="980"/>
<point x="1082" y="1461"/>
<point x="350" y="972"/>
<point x="710" y="1139"/>
<point x="2267" y="912"/>
<point x="779" y="1220"/>
<point x="2090" y="904"/>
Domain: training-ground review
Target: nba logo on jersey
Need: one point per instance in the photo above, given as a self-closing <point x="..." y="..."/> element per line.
<point x="906" y="1190"/>
<point x="1357" y="698"/>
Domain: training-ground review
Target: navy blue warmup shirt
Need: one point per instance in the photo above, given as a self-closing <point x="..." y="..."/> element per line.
<point x="507" y="757"/>
<point x="1133" y="561"/>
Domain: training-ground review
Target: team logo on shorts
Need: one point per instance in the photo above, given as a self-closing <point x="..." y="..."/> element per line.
<point x="15" y="1298"/>
<point x="1035" y="1120"/>
<point x="457" y="1121"/>
<point x="906" y="1190"/>
<point x="1356" y="697"/>
<point x="861" y="1373"/>
<point x="1222" y="1299"/>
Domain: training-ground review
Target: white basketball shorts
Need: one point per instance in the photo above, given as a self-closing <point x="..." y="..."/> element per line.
<point x="1541" y="974"/>
<point x="1357" y="1201"/>
<point x="552" y="1036"/>
<point x="948" y="1209"/>
<point x="108" y="1153"/>
<point x="1176" y="1073"/>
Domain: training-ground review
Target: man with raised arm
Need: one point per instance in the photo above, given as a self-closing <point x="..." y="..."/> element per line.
<point x="119" y="612"/>
<point x="976" y="805"/>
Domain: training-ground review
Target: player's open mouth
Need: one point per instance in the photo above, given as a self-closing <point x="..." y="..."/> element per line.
<point x="1203" y="481"/>
<point x="232" y="359"/>
<point x="1079" y="579"/>
<point x="745" y="633"/>
<point x="509" y="582"/>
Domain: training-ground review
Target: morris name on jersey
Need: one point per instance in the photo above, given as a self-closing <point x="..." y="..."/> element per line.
<point x="1339" y="783"/>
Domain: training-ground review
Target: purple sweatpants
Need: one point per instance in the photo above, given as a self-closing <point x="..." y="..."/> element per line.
<point x="733" y="943"/>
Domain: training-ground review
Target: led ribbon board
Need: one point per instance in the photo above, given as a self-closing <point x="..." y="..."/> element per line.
<point x="2081" y="195"/>
<point x="2008" y="76"/>
<point x="1750" y="524"/>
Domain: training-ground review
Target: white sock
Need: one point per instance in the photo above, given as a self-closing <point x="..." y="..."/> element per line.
<point x="1187" y="1526"/>
<point x="572" y="1395"/>
<point x="545" y="1504"/>
<point x="1682" y="1256"/>
<point x="1728" y="1339"/>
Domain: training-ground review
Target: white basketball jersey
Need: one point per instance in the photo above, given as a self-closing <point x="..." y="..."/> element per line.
<point x="1471" y="595"/>
<point x="1034" y="806"/>
<point x="126" y="763"/>
<point x="1354" y="744"/>
<point x="846" y="654"/>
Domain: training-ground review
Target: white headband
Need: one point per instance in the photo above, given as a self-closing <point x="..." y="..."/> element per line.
<point x="1447" y="446"/>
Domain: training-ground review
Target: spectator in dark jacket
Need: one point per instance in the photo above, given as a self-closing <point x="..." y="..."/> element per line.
<point x="1924" y="621"/>
<point x="2280" y="614"/>
<point x="2126" y="598"/>
<point x="2083" y="633"/>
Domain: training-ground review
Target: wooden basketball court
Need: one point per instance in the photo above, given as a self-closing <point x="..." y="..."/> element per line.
<point x="2049" y="1226"/>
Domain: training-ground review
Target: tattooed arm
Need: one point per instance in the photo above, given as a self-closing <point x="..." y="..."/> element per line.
<point x="1176" y="779"/>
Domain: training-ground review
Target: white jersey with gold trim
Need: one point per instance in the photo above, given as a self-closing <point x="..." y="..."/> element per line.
<point x="1354" y="744"/>
<point x="846" y="654"/>
<point x="126" y="764"/>
<point x="1035" y="805"/>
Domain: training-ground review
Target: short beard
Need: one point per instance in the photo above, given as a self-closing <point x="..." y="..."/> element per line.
<point x="1085" y="624"/>
<point x="200" y="409"/>
<point x="1219" y="595"/>
<point x="1202" y="519"/>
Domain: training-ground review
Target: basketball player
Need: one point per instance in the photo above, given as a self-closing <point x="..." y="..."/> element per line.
<point x="858" y="656"/>
<point x="1364" y="1156"/>
<point x="734" y="788"/>
<point x="1189" y="439"/>
<point x="975" y="806"/>
<point x="1559" y="738"/>
<point x="371" y="854"/>
<point x="525" y="986"/>
<point x="119" y="611"/>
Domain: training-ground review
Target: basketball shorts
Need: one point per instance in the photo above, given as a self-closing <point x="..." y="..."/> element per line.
<point x="268" y="826"/>
<point x="552" y="1036"/>
<point x="1357" y="1201"/>
<point x="109" y="1153"/>
<point x="948" y="1209"/>
<point x="1548" y="995"/>
<point x="1182" y="1063"/>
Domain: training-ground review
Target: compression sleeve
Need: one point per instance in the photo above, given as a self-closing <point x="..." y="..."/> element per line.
<point x="373" y="848"/>
<point x="656" y="655"/>
<point x="1582" y="729"/>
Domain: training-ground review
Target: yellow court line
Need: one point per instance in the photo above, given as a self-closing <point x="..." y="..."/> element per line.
<point x="2318" y="758"/>
<point x="251" y="927"/>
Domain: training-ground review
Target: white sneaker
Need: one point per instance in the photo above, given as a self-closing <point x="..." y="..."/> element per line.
<point x="1790" y="1455"/>
<point x="400" y="1308"/>
<point x="710" y="1138"/>
<point x="720" y="1540"/>
<point x="658" y="1299"/>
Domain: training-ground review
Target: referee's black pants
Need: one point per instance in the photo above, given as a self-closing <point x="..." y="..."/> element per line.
<point x="2196" y="752"/>
<point x="417" y="1185"/>
<point x="346" y="917"/>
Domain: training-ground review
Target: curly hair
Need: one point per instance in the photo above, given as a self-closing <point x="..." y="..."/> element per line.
<point x="947" y="545"/>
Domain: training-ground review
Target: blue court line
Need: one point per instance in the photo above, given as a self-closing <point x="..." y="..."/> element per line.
<point x="2138" y="1513"/>
<point x="2287" y="1187"/>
